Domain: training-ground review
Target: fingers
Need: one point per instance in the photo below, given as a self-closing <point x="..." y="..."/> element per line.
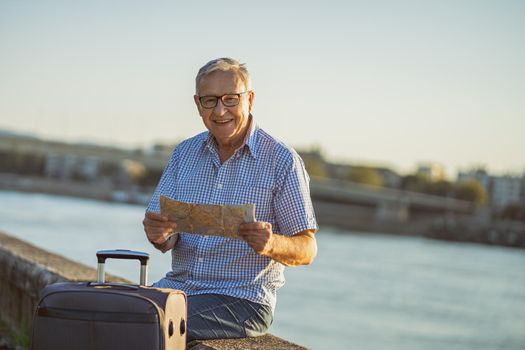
<point x="258" y="235"/>
<point x="157" y="227"/>
<point x="155" y="223"/>
<point x="152" y="219"/>
<point x="254" y="230"/>
<point x="155" y="216"/>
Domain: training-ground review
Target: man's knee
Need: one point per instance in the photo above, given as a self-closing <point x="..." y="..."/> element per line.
<point x="216" y="316"/>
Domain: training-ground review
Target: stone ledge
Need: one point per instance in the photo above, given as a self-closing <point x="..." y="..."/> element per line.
<point x="26" y="269"/>
<point x="264" y="342"/>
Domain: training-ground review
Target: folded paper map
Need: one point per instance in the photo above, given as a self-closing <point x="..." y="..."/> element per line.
<point x="207" y="219"/>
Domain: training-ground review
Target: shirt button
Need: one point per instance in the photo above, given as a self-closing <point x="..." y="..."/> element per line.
<point x="201" y="259"/>
<point x="219" y="186"/>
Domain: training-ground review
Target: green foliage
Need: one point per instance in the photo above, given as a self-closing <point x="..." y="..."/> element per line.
<point x="441" y="188"/>
<point x="108" y="169"/>
<point x="21" y="163"/>
<point x="150" y="178"/>
<point x="365" y="175"/>
<point x="315" y="167"/>
<point x="314" y="161"/>
<point x="21" y="337"/>
<point x="471" y="191"/>
<point x="415" y="183"/>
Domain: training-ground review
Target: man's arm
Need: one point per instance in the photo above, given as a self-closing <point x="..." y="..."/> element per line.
<point x="299" y="249"/>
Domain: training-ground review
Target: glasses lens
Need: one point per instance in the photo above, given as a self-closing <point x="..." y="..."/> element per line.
<point x="208" y="101"/>
<point x="230" y="100"/>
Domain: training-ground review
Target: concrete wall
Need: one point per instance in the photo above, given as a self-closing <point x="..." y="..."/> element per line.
<point x="25" y="270"/>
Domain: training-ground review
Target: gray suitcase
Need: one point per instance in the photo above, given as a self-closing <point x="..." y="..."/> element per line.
<point x="103" y="316"/>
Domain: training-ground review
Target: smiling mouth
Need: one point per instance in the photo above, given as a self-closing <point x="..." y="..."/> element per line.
<point x="222" y="122"/>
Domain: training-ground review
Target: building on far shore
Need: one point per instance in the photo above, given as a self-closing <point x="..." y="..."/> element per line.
<point x="480" y="175"/>
<point x="502" y="190"/>
<point x="66" y="166"/>
<point x="506" y="190"/>
<point x="433" y="171"/>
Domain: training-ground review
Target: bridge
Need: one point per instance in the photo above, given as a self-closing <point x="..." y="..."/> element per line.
<point x="356" y="206"/>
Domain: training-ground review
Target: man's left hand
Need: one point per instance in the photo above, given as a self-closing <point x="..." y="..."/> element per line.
<point x="258" y="235"/>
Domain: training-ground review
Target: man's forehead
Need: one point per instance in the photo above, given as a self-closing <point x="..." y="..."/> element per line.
<point x="221" y="82"/>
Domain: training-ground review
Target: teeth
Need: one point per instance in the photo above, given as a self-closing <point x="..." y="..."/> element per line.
<point x="222" y="121"/>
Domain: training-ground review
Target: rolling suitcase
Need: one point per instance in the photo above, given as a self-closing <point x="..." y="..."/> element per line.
<point x="103" y="316"/>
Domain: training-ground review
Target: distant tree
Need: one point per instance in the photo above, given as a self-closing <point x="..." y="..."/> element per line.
<point x="164" y="147"/>
<point x="415" y="183"/>
<point x="109" y="169"/>
<point x="314" y="161"/>
<point x="440" y="188"/>
<point x="422" y="183"/>
<point x="315" y="167"/>
<point x="471" y="191"/>
<point x="151" y="178"/>
<point x="7" y="162"/>
<point x="21" y="163"/>
<point x="365" y="175"/>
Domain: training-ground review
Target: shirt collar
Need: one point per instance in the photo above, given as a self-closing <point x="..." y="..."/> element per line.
<point x="249" y="140"/>
<point x="251" y="137"/>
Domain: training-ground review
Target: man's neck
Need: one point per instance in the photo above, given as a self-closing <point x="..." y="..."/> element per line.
<point x="227" y="149"/>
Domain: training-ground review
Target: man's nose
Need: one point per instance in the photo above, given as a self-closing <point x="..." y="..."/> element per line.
<point x="219" y="109"/>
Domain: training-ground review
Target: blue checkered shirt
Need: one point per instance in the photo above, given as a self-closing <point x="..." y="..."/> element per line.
<point x="263" y="171"/>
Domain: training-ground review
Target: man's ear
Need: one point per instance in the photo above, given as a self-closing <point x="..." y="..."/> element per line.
<point x="251" y="96"/>
<point x="197" y="103"/>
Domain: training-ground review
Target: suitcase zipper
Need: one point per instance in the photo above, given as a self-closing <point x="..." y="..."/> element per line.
<point x="102" y="316"/>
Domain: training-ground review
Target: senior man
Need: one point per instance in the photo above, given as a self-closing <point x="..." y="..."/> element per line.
<point x="231" y="284"/>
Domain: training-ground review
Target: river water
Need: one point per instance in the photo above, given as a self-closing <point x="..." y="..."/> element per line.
<point x="364" y="291"/>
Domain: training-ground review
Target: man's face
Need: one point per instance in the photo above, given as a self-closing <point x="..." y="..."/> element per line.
<point x="227" y="124"/>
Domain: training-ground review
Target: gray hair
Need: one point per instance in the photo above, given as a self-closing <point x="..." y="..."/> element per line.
<point x="224" y="64"/>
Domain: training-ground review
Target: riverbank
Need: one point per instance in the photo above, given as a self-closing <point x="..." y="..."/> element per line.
<point x="447" y="226"/>
<point x="99" y="190"/>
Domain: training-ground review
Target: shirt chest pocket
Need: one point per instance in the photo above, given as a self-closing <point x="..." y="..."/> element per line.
<point x="259" y="193"/>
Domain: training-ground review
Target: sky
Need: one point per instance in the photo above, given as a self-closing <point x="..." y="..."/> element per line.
<point x="384" y="83"/>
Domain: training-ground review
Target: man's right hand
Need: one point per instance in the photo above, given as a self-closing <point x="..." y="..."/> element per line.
<point x="158" y="228"/>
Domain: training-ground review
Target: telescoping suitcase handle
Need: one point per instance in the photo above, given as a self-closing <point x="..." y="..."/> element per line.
<point x="102" y="255"/>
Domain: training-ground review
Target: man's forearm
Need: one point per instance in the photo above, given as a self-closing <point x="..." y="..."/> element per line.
<point x="299" y="249"/>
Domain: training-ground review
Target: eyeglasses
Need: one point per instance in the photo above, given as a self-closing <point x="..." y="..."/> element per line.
<point x="228" y="100"/>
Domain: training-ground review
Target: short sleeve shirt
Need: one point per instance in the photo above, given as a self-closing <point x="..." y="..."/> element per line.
<point x="264" y="172"/>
